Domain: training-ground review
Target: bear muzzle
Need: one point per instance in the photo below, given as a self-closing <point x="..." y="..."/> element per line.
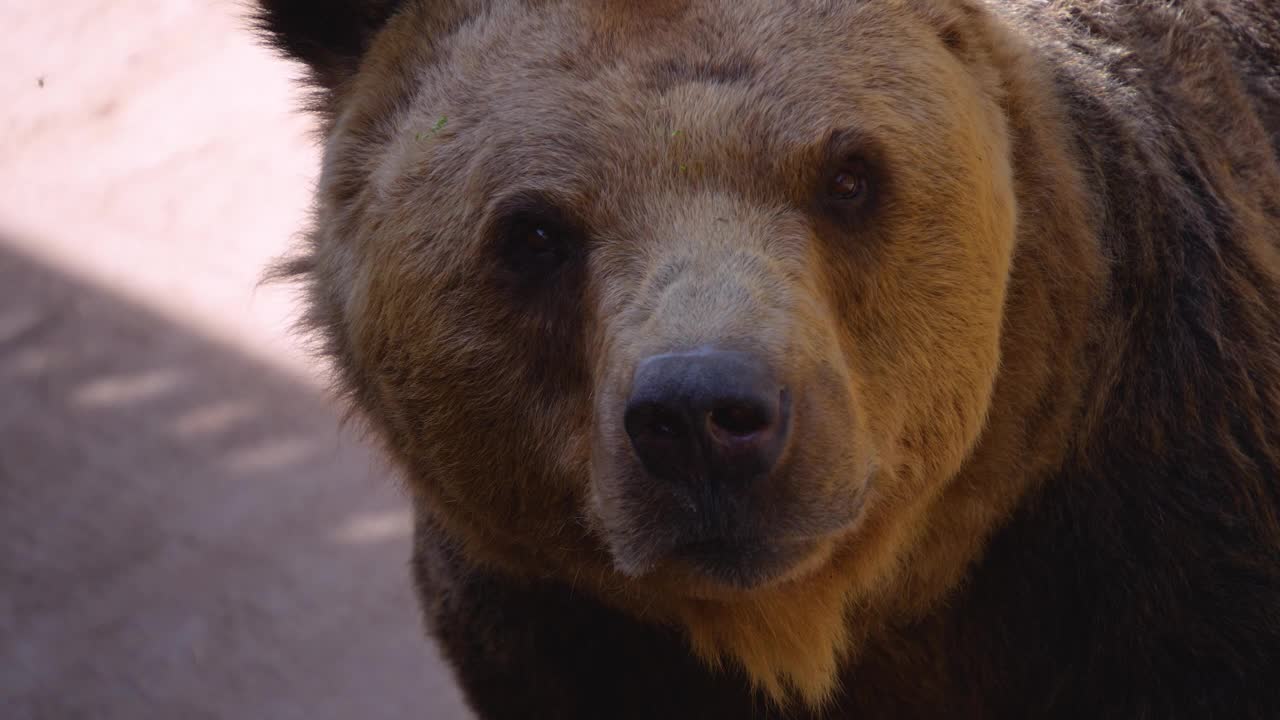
<point x="724" y="446"/>
<point x="705" y="444"/>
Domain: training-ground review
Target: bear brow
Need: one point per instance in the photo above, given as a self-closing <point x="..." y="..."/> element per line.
<point x="673" y="72"/>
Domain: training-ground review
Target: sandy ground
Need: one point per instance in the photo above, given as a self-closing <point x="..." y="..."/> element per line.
<point x="186" y="531"/>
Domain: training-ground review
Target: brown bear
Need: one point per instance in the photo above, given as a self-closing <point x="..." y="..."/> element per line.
<point x="816" y="358"/>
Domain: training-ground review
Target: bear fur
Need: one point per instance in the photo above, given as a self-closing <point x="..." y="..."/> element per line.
<point x="1037" y="466"/>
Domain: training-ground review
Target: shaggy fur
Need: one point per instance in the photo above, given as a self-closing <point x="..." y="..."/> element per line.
<point x="1037" y="370"/>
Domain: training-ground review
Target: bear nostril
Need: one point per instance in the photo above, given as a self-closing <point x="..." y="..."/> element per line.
<point x="653" y="420"/>
<point x="740" y="419"/>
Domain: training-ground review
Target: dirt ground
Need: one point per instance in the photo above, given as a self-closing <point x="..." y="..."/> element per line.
<point x="185" y="530"/>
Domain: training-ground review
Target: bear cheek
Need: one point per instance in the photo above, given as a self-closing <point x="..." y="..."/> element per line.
<point x="924" y="327"/>
<point x="931" y="375"/>
<point x="481" y="425"/>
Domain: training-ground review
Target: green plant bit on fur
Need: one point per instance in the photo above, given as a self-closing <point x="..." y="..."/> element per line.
<point x="435" y="129"/>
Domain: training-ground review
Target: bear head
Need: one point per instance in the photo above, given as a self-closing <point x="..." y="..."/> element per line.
<point x="697" y="304"/>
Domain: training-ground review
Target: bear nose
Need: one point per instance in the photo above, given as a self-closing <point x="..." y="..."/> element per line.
<point x="708" y="414"/>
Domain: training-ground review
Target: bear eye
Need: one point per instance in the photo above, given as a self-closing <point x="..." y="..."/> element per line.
<point x="850" y="180"/>
<point x="540" y="240"/>
<point x="533" y="243"/>
<point x="848" y="183"/>
<point x="534" y="238"/>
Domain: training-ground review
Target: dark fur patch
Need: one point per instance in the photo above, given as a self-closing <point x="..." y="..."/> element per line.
<point x="329" y="36"/>
<point x="670" y="73"/>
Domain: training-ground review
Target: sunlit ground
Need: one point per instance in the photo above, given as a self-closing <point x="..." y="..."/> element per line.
<point x="187" y="532"/>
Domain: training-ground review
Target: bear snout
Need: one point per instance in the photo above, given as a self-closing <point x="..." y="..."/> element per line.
<point x="722" y="439"/>
<point x="707" y="416"/>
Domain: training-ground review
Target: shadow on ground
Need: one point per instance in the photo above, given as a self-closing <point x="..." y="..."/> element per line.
<point x="187" y="532"/>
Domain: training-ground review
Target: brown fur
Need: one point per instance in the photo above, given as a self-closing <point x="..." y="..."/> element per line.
<point x="1070" y="265"/>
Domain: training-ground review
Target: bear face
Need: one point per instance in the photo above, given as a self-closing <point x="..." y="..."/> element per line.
<point x="695" y="302"/>
<point x="507" y="242"/>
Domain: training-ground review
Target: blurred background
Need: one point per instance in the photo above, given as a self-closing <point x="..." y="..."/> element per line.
<point x="187" y="532"/>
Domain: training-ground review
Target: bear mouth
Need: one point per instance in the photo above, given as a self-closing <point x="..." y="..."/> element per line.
<point x="744" y="563"/>
<point x="732" y="546"/>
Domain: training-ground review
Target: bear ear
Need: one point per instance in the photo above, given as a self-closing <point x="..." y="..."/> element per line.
<point x="971" y="32"/>
<point x="963" y="26"/>
<point x="329" y="36"/>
